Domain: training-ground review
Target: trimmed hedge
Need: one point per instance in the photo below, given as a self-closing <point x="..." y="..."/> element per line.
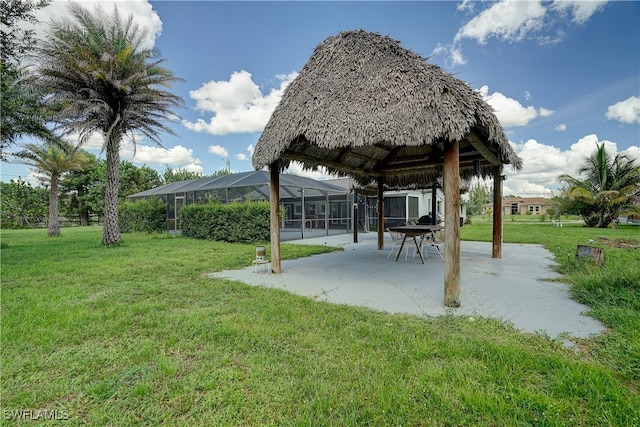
<point x="246" y="222"/>
<point x="143" y="216"/>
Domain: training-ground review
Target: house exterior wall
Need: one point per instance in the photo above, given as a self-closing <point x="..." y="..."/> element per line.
<point x="398" y="206"/>
<point x="522" y="206"/>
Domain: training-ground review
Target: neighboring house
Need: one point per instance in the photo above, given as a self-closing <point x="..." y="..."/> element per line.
<point x="522" y="206"/>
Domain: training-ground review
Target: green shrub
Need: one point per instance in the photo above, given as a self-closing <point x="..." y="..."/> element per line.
<point x="143" y="216"/>
<point x="246" y="222"/>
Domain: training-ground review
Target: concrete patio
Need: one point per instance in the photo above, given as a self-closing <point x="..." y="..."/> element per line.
<point x="512" y="289"/>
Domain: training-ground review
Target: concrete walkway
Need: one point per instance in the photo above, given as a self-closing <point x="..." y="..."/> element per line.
<point x="512" y="289"/>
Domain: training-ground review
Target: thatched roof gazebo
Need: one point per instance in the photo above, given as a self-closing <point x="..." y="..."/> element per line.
<point x="365" y="107"/>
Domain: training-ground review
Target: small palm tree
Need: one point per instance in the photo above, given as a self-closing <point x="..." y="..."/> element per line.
<point x="609" y="185"/>
<point x="103" y="80"/>
<point x="53" y="160"/>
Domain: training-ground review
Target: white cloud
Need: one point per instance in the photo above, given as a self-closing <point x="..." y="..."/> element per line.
<point x="561" y="127"/>
<point x="178" y="156"/>
<point x="218" y="150"/>
<point x="542" y="164"/>
<point x="580" y="9"/>
<point x="513" y="21"/>
<point x="632" y="152"/>
<point x="237" y="105"/>
<point x="627" y="111"/>
<point x="243" y="157"/>
<point x="191" y="167"/>
<point x="95" y="141"/>
<point x="545" y="112"/>
<point x="142" y="11"/>
<point x="466" y="5"/>
<point x="506" y="20"/>
<point x="295" y="168"/>
<point x="456" y="56"/>
<point x="510" y="112"/>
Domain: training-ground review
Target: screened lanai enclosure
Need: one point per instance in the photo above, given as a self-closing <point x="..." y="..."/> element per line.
<point x="312" y="207"/>
<point x="330" y="206"/>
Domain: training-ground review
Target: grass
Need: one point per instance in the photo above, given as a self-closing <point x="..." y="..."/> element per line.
<point x="139" y="335"/>
<point x="612" y="291"/>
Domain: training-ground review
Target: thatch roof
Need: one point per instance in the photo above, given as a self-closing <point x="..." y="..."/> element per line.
<point x="366" y="107"/>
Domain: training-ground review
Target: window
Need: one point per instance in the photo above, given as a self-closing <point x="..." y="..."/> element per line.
<point x="413" y="207"/>
<point x="311" y="209"/>
<point x="394" y="207"/>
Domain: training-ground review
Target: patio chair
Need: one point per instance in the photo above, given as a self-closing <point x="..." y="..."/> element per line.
<point x="430" y="239"/>
<point x="396" y="238"/>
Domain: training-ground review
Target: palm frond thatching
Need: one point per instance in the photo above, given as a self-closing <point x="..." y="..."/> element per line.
<point x="365" y="107"/>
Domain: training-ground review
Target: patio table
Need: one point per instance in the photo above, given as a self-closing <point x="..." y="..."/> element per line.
<point x="414" y="231"/>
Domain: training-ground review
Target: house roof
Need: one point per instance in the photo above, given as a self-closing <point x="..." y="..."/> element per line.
<point x="257" y="180"/>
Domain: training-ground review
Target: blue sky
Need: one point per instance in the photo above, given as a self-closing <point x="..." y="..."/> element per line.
<point x="562" y="76"/>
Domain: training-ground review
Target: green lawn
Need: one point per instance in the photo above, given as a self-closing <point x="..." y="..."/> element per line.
<point x="138" y="335"/>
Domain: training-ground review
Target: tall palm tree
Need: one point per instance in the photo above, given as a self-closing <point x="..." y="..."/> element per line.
<point x="609" y="184"/>
<point x="102" y="79"/>
<point x="53" y="160"/>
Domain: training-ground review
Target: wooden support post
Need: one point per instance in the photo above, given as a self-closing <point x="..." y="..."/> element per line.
<point x="326" y="214"/>
<point x="497" y="213"/>
<point x="303" y="219"/>
<point x="380" y="210"/>
<point x="434" y="203"/>
<point x="452" y="225"/>
<point x="355" y="215"/>
<point x="274" y="202"/>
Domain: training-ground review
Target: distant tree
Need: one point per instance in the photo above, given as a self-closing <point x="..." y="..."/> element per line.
<point x="606" y="185"/>
<point x="53" y="160"/>
<point x="224" y="171"/>
<point x="103" y="79"/>
<point x="23" y="112"/>
<point x="89" y="186"/>
<point x="15" y="40"/>
<point x="170" y="175"/>
<point x="479" y="195"/>
<point x="137" y="179"/>
<point x="21" y="204"/>
<point x="76" y="184"/>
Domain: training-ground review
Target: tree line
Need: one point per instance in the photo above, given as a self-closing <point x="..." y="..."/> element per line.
<point x="93" y="75"/>
<point x="606" y="187"/>
<point x="81" y="191"/>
